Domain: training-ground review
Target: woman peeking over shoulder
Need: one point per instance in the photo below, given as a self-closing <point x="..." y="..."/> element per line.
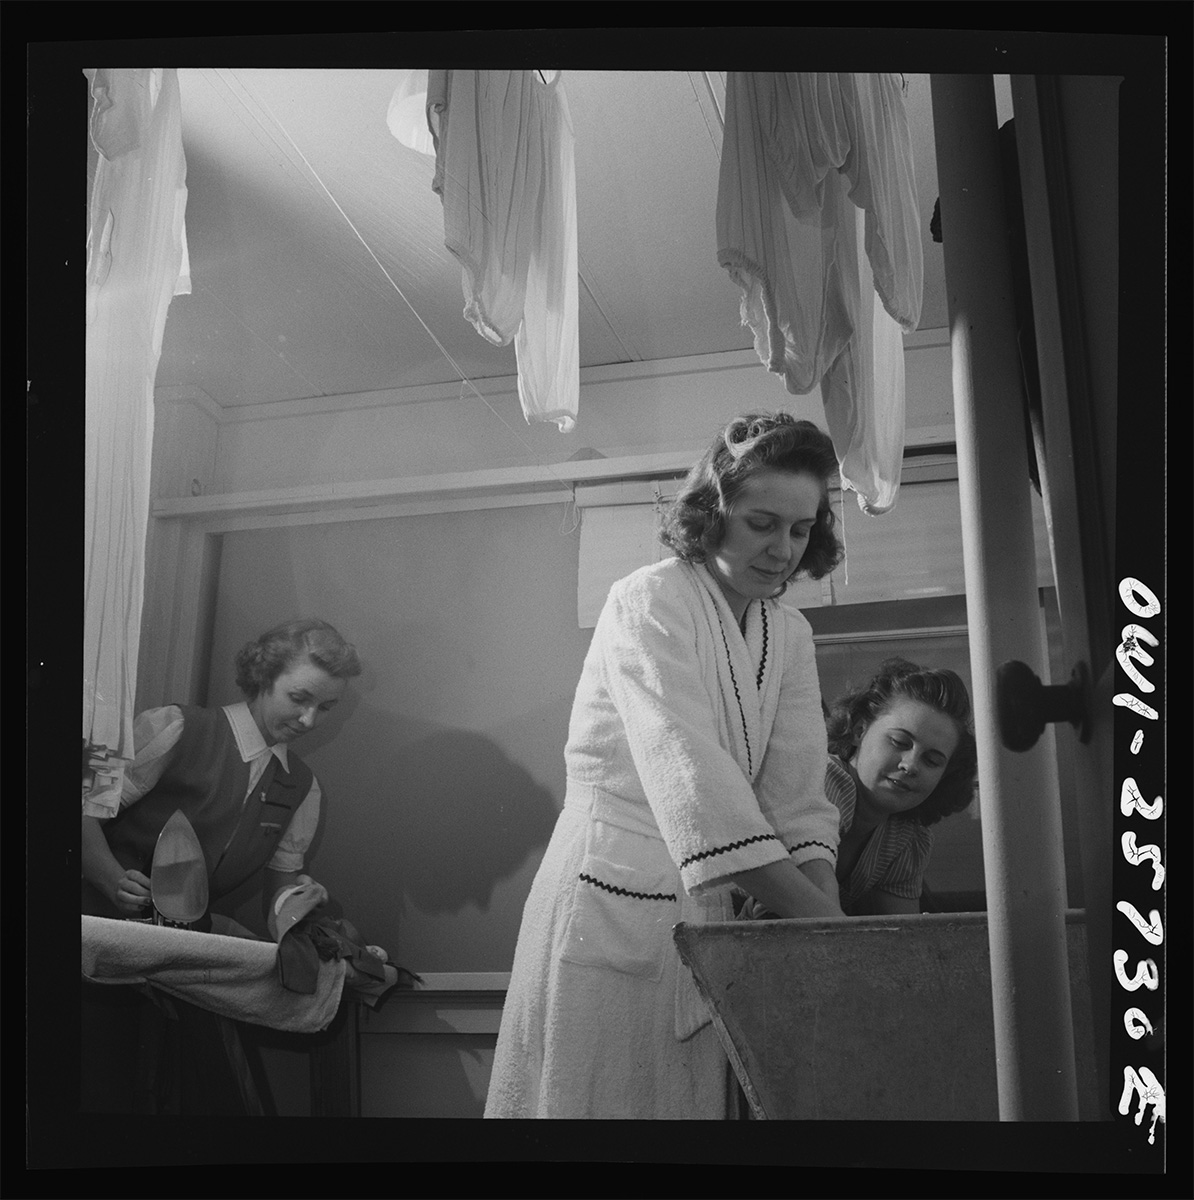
<point x="902" y="757"/>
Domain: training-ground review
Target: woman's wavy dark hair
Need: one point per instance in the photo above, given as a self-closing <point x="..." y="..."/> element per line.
<point x="944" y="692"/>
<point x="694" y="524"/>
<point x="261" y="661"/>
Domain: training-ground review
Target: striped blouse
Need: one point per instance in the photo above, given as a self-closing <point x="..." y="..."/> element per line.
<point x="895" y="855"/>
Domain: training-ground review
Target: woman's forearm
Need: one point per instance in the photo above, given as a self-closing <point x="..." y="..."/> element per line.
<point x="272" y="883"/>
<point x="100" y="867"/>
<point x="820" y="872"/>
<point x="129" y="890"/>
<point x="786" y="889"/>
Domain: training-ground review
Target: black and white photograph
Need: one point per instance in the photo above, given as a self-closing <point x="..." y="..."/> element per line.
<point x="623" y="585"/>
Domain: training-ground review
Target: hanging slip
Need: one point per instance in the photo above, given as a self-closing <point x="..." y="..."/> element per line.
<point x="817" y="223"/>
<point x="506" y="175"/>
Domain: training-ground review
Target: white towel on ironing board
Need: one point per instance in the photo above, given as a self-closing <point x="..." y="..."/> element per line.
<point x="231" y="976"/>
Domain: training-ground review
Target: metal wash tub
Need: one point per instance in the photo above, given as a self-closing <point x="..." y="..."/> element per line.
<point x="868" y="1018"/>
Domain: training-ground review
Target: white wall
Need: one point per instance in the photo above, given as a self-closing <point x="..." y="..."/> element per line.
<point x="214" y="468"/>
<point x="636" y="408"/>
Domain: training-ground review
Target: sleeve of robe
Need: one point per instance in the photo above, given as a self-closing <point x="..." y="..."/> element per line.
<point x="656" y="661"/>
<point x="791" y="783"/>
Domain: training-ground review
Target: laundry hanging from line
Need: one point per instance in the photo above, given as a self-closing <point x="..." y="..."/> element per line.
<point x="505" y="171"/>
<point x="136" y="263"/>
<point x="817" y="223"/>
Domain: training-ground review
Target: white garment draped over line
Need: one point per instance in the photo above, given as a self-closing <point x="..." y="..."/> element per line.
<point x="136" y="262"/>
<point x="506" y="174"/>
<point x="817" y="223"/>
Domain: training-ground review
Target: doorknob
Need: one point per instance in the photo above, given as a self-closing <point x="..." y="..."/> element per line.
<point x="1025" y="705"/>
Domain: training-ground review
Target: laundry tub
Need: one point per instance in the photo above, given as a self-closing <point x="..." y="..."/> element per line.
<point x="868" y="1018"/>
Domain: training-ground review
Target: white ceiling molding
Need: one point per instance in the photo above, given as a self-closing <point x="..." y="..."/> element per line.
<point x="190" y="394"/>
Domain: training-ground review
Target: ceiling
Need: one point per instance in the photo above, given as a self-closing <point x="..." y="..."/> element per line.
<point x="315" y="238"/>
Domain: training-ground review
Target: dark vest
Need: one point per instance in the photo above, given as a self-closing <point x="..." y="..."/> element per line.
<point x="207" y="779"/>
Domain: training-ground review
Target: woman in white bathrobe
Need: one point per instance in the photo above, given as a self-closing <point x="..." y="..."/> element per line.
<point x="695" y="761"/>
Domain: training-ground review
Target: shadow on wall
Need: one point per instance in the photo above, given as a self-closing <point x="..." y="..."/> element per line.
<point x="440" y="814"/>
<point x="437" y="815"/>
<point x="471" y="817"/>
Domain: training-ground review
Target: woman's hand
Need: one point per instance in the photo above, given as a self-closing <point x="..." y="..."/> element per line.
<point x="130" y="893"/>
<point x="786" y="890"/>
<point x="319" y="890"/>
<point x="128" y="890"/>
<point x="278" y="882"/>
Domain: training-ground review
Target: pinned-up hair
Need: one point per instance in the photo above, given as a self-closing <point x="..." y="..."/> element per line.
<point x="261" y="661"/>
<point x="694" y="524"/>
<point x="944" y="692"/>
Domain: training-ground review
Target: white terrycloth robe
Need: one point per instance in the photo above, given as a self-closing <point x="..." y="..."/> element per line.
<point x="694" y="753"/>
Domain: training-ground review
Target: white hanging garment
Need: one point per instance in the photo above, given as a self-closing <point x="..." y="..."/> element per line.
<point x="136" y="262"/>
<point x="863" y="389"/>
<point x="505" y="172"/>
<point x="817" y="224"/>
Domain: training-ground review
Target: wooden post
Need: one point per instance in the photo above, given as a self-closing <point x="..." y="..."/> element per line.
<point x="1021" y="808"/>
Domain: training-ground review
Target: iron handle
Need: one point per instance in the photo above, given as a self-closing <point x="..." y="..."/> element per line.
<point x="1025" y="705"/>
